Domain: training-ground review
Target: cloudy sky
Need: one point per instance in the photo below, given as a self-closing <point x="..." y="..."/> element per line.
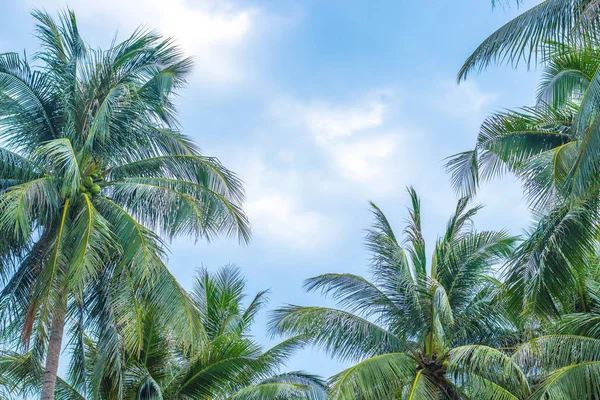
<point x="320" y="107"/>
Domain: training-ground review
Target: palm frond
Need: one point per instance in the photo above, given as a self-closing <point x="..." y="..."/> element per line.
<point x="415" y="235"/>
<point x="354" y="293"/>
<point x="523" y="38"/>
<point x="491" y="369"/>
<point x="341" y="334"/>
<point x="374" y="378"/>
<point x="542" y="273"/>
<point x="571" y="363"/>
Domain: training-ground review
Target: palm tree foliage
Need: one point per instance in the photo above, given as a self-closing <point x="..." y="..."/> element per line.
<point x="524" y="38"/>
<point x="552" y="147"/>
<point x="228" y="363"/>
<point x="421" y="328"/>
<point x="94" y="176"/>
<point x="564" y="361"/>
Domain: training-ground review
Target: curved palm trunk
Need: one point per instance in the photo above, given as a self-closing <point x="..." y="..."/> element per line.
<point x="53" y="354"/>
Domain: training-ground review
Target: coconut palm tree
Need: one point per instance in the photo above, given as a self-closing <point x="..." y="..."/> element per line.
<point x="94" y="175"/>
<point x="419" y="329"/>
<point x="524" y="38"/>
<point x="558" y="132"/>
<point x="228" y="364"/>
<point x="553" y="148"/>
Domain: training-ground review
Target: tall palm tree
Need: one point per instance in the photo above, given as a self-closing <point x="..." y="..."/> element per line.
<point x="419" y="329"/>
<point x="553" y="148"/>
<point x="228" y="364"/>
<point x="524" y="38"/>
<point x="93" y="173"/>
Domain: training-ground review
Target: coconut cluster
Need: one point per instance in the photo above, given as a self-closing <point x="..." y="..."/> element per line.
<point x="90" y="184"/>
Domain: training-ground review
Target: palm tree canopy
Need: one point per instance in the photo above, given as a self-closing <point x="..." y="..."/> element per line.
<point x="421" y="328"/>
<point x="552" y="147"/>
<point x="95" y="175"/>
<point x="564" y="361"/>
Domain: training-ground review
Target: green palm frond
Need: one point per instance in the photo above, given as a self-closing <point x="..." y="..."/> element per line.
<point x="524" y="38"/>
<point x="469" y="260"/>
<point x="542" y="274"/>
<point x="421" y="387"/>
<point x="495" y="372"/>
<point x="377" y="377"/>
<point x="93" y="243"/>
<point x="270" y="391"/>
<point x="61" y="155"/>
<point x="16" y="169"/>
<point x="463" y="168"/>
<point x="414" y="234"/>
<point x="20" y="375"/>
<point x="213" y="372"/>
<point x="567" y="73"/>
<point x="61" y="41"/>
<point x="441" y="310"/>
<point x="259" y="302"/>
<point x="507" y="142"/>
<point x="24" y="204"/>
<point x="26" y="97"/>
<point x="582" y="323"/>
<point x="287" y="386"/>
<point x="282" y="351"/>
<point x="570" y="365"/>
<point x="219" y="297"/>
<point x="315" y="387"/>
<point x="485" y="389"/>
<point x="354" y="293"/>
<point x="340" y="333"/>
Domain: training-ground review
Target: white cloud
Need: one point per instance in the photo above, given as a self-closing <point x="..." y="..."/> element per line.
<point x="354" y="139"/>
<point x="280" y="217"/>
<point x="358" y="159"/>
<point x="327" y="121"/>
<point x="374" y="162"/>
<point x="338" y="155"/>
<point x="276" y="210"/>
<point x="463" y="100"/>
<point x="213" y="32"/>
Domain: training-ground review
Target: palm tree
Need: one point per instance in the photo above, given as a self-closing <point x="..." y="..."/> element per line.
<point x="228" y="364"/>
<point x="524" y="38"/>
<point x="553" y="148"/>
<point x="93" y="172"/>
<point x="558" y="132"/>
<point x="419" y="329"/>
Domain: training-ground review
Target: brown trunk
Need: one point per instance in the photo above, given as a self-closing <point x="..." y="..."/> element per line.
<point x="54" y="347"/>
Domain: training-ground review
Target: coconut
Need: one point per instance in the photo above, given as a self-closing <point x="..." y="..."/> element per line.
<point x="82" y="189"/>
<point x="95" y="189"/>
<point x="88" y="181"/>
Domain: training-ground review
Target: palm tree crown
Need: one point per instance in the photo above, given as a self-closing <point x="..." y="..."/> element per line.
<point x="553" y="148"/>
<point x="93" y="172"/>
<point x="420" y="329"/>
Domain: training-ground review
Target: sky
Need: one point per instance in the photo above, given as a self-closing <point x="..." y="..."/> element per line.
<point x="320" y="107"/>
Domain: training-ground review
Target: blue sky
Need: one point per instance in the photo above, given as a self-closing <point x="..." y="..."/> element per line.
<point x="320" y="107"/>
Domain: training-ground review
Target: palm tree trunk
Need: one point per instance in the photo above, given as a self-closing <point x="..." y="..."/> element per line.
<point x="53" y="354"/>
